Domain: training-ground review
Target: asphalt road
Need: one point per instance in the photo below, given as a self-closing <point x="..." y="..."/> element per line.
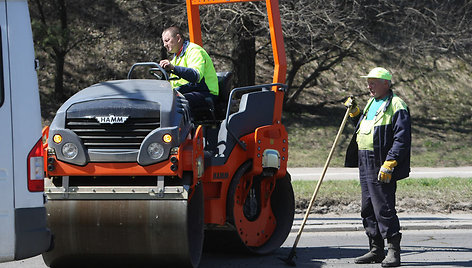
<point x="438" y="248"/>
<point x="353" y="173"/>
<point x="320" y="247"/>
<point x="444" y="248"/>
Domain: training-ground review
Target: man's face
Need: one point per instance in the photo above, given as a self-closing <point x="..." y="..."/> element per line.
<point x="171" y="43"/>
<point x="378" y="87"/>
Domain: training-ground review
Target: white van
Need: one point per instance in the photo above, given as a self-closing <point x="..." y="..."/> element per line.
<point x="23" y="231"/>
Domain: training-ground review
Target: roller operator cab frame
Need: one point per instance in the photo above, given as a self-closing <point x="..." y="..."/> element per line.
<point x="23" y="231"/>
<point x="134" y="178"/>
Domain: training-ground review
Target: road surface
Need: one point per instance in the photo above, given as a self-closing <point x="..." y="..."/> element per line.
<point x="426" y="248"/>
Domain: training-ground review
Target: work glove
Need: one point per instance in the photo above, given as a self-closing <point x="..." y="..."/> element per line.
<point x="354" y="110"/>
<point x="386" y="170"/>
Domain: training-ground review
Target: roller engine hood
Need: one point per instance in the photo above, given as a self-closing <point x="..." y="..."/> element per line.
<point x="135" y="91"/>
<point x="116" y="121"/>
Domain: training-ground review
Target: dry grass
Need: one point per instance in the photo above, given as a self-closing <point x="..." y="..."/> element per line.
<point x="443" y="195"/>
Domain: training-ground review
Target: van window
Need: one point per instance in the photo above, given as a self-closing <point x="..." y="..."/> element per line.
<point x="2" y="86"/>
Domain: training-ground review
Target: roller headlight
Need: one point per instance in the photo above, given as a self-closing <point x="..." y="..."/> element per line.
<point x="70" y="150"/>
<point x="155" y="150"/>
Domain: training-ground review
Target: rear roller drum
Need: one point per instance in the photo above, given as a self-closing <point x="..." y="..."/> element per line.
<point x="261" y="209"/>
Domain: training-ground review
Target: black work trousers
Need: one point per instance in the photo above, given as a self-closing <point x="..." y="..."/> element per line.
<point x="378" y="212"/>
<point x="196" y="95"/>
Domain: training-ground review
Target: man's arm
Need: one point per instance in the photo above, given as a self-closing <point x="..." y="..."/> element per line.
<point x="194" y="69"/>
<point x="401" y="136"/>
<point x="189" y="74"/>
<point x="401" y="127"/>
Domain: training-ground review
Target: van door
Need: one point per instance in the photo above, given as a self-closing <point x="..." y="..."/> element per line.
<point x="7" y="230"/>
<point x="23" y="231"/>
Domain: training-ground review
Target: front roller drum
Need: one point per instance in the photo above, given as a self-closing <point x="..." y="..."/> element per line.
<point x="261" y="209"/>
<point x="126" y="233"/>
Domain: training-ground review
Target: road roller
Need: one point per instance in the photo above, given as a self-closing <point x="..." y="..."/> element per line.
<point x="134" y="178"/>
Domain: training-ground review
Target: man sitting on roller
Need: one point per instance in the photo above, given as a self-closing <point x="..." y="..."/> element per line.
<point x="192" y="64"/>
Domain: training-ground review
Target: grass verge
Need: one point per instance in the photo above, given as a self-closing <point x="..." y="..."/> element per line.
<point x="427" y="195"/>
<point x="311" y="137"/>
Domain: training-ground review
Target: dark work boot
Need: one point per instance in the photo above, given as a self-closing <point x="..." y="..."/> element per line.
<point x="393" y="254"/>
<point x="376" y="253"/>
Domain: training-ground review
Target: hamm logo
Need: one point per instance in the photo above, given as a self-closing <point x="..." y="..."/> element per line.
<point x="111" y="119"/>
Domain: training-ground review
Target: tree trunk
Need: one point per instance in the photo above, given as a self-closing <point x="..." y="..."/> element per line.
<point x="244" y="55"/>
<point x="59" y="77"/>
<point x="61" y="52"/>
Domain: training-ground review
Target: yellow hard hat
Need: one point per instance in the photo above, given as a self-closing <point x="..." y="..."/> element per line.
<point x="379" y="72"/>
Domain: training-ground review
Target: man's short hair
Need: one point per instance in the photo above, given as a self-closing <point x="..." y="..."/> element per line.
<point x="174" y="30"/>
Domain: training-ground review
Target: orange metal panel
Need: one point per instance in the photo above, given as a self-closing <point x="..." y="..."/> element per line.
<point x="271" y="137"/>
<point x="212" y="190"/>
<point x="197" y="152"/>
<point x="278" y="50"/>
<point x="111" y="169"/>
<point x="185" y="158"/>
<point x="210" y="2"/>
<point x="194" y="28"/>
<point x="215" y="208"/>
<point x="277" y="39"/>
<point x="45" y="136"/>
<point x="274" y="137"/>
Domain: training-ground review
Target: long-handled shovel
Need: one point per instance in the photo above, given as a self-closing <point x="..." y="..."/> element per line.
<point x="292" y="254"/>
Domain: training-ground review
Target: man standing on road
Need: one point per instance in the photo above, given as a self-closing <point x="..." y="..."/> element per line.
<point x="381" y="149"/>
<point x="192" y="65"/>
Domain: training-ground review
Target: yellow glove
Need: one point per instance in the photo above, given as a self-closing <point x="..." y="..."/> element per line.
<point x="354" y="110"/>
<point x="385" y="174"/>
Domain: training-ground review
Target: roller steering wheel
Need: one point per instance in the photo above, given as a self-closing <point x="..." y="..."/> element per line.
<point x="154" y="70"/>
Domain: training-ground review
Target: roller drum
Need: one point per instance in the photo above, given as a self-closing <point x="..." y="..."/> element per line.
<point x="123" y="233"/>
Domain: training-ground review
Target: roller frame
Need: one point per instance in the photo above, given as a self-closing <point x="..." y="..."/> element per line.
<point x="214" y="181"/>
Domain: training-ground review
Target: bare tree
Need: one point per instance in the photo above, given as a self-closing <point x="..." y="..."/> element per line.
<point x="316" y="40"/>
<point x="318" y="36"/>
<point x="91" y="41"/>
<point x="231" y="34"/>
<point x="413" y="29"/>
<point x="54" y="35"/>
